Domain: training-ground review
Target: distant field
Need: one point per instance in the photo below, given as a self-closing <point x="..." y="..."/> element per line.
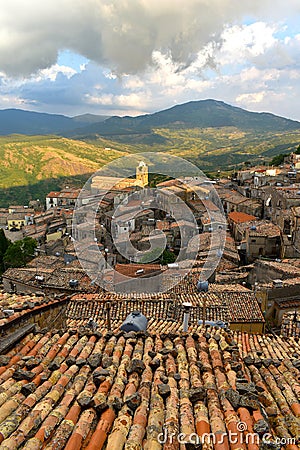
<point x="33" y="165"/>
<point x="226" y="147"/>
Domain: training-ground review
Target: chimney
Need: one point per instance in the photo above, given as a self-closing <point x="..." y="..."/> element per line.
<point x="107" y="307"/>
<point x="186" y="315"/>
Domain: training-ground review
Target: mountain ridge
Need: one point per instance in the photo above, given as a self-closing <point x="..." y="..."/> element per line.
<point x="208" y="113"/>
<point x="20" y="121"/>
<point x="195" y="114"/>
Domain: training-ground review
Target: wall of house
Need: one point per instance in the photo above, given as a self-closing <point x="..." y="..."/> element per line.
<point x="262" y="246"/>
<point x="18" y="224"/>
<point x="51" y="202"/>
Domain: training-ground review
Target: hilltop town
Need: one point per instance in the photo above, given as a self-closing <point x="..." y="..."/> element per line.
<point x="216" y="352"/>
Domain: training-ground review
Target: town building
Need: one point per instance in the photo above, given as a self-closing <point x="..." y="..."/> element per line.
<point x="66" y="198"/>
<point x="18" y="217"/>
<point x="109" y="183"/>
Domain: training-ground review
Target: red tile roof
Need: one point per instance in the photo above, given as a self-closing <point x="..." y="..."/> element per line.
<point x="290" y="326"/>
<point x="240" y="217"/>
<point x="53" y="194"/>
<point x="130" y="270"/>
<point x="98" y="390"/>
<point x="21" y="305"/>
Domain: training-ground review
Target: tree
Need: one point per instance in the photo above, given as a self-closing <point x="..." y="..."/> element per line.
<point x="278" y="159"/>
<point x="297" y="152"/>
<point x="4" y="244"/>
<point x="157" y="254"/>
<point x="151" y="256"/>
<point x="167" y="257"/>
<point x="19" y="253"/>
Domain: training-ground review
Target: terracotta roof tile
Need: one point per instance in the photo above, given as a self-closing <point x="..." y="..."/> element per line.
<point x="290" y="326"/>
<point x="120" y="390"/>
<point x="240" y="217"/>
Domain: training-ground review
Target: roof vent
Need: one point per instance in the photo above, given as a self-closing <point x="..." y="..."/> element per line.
<point x="139" y="271"/>
<point x="135" y="321"/>
<point x="202" y="286"/>
<point x="8" y="312"/>
<point x="73" y="283"/>
<point x="39" y="278"/>
<point x="277" y="283"/>
<point x="186" y="315"/>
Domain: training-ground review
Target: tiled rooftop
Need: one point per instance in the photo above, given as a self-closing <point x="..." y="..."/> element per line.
<point x="290" y="325"/>
<point x="262" y="228"/>
<point x="240" y="217"/>
<point x="13" y="306"/>
<point x="154" y="309"/>
<point x="289" y="269"/>
<point x="53" y="277"/>
<point x="96" y="390"/>
<point x="235" y="306"/>
<point x="131" y="270"/>
<point x="44" y="261"/>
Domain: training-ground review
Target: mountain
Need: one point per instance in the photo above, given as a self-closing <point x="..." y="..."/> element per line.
<point x="213" y="113"/>
<point x="18" y="121"/>
<point x="211" y="134"/>
<point x="89" y="118"/>
<point x="196" y="114"/>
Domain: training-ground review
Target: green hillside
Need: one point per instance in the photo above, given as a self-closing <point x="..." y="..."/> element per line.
<point x="211" y="134"/>
<point x="31" y="166"/>
<point x="229" y="147"/>
<point x="26" y="160"/>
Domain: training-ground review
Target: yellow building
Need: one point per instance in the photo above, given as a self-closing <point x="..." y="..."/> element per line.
<point x="15" y="221"/>
<point x="116" y="183"/>
<point x="142" y="174"/>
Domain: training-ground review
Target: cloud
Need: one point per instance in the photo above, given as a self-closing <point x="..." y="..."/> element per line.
<point x="118" y="34"/>
<point x="254" y="65"/>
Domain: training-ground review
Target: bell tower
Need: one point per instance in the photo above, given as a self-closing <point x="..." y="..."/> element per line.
<point x="142" y="174"/>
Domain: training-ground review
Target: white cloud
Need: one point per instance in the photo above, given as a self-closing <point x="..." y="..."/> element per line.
<point x="118" y="34"/>
<point x="52" y="72"/>
<point x="149" y="55"/>
<point x="253" y="97"/>
<point x="246" y="41"/>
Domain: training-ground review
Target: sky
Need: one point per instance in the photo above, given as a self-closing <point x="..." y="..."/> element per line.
<point x="131" y="57"/>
